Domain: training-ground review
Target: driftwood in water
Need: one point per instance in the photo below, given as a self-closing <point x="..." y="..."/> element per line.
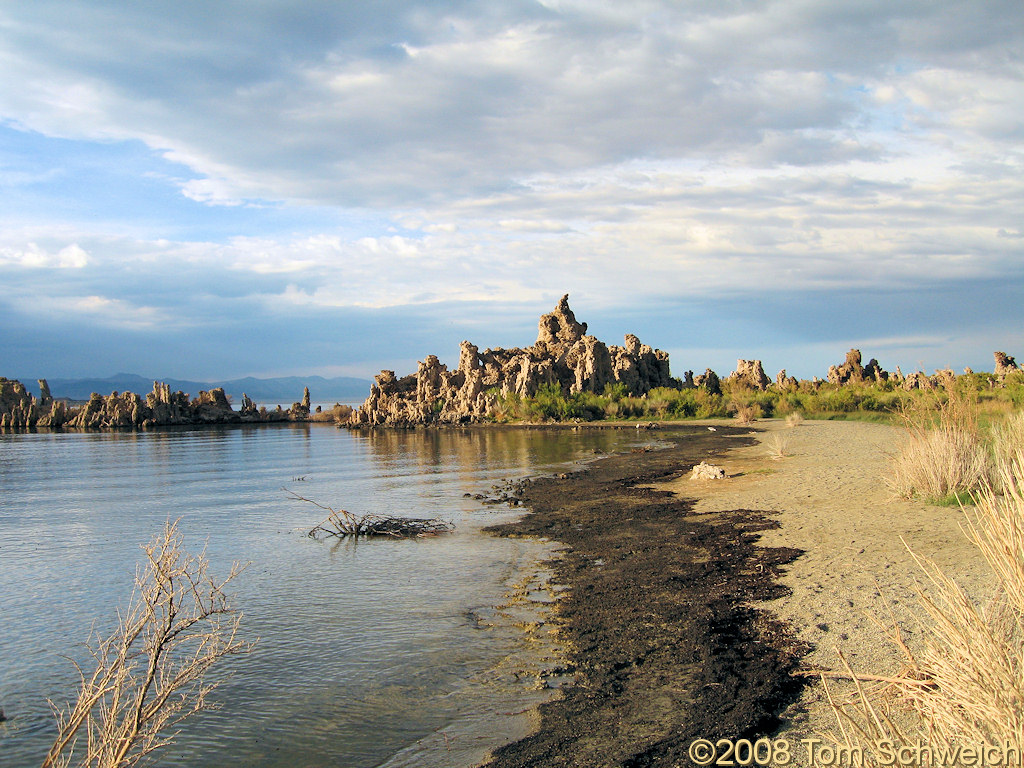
<point x="340" y="524"/>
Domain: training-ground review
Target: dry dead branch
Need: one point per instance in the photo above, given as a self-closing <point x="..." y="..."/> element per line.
<point x="151" y="671"/>
<point x="341" y="524"/>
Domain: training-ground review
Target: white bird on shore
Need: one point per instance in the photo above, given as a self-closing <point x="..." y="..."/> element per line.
<point x="712" y="429"/>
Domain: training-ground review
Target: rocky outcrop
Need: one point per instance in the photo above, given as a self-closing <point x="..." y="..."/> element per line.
<point x="709" y="380"/>
<point x="248" y="407"/>
<point x="300" y="410"/>
<point x="558" y="329"/>
<point x="1004" y="364"/>
<point x="161" y="407"/>
<point x="852" y="372"/>
<point x="563" y="356"/>
<point x="45" y="398"/>
<point x="639" y="367"/>
<point x="873" y="371"/>
<point x="750" y="375"/>
<point x="785" y="383"/>
<point x="18" y="409"/>
<point x="917" y="380"/>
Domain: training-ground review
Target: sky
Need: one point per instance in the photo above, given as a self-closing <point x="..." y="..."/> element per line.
<point x="259" y="187"/>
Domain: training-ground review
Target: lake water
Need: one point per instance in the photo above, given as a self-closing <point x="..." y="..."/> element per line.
<point x="382" y="652"/>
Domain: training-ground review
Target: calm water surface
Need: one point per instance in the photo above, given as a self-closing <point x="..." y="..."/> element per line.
<point x="368" y="653"/>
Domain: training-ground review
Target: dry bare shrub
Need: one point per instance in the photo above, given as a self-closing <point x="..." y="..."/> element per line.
<point x="341" y="524"/>
<point x="794" y="418"/>
<point x="745" y="413"/>
<point x="942" y="451"/>
<point x="966" y="685"/>
<point x="777" y="445"/>
<point x="336" y="414"/>
<point x="151" y="671"/>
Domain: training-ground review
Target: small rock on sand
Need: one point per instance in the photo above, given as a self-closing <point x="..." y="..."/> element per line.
<point x="705" y="471"/>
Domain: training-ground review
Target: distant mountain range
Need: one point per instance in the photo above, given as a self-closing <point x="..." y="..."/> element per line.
<point x="285" y="390"/>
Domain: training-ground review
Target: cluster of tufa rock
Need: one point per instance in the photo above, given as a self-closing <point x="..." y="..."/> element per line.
<point x="749" y="374"/>
<point x="20" y="410"/>
<point x="161" y="407"/>
<point x="852" y="371"/>
<point x="563" y="356"/>
<point x="1004" y="365"/>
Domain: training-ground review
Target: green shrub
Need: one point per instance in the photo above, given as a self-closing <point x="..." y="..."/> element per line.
<point x="616" y="392"/>
<point x="881" y="401"/>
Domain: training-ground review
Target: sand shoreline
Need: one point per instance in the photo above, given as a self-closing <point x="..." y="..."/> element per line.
<point x="659" y="616"/>
<point x="823" y="499"/>
<point x="829" y="498"/>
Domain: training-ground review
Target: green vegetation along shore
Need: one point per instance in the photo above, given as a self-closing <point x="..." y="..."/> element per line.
<point x="867" y="400"/>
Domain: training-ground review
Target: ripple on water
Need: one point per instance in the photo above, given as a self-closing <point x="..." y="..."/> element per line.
<point x="370" y="653"/>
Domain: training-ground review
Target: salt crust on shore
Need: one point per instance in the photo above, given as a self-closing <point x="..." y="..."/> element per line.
<point x="829" y="498"/>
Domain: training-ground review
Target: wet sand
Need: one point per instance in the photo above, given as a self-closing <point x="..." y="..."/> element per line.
<point x="661" y="617"/>
<point x="691" y="603"/>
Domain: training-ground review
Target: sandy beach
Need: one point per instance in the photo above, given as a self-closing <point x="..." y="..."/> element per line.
<point x="689" y="604"/>
<point x="828" y="496"/>
<point x="659" y="613"/>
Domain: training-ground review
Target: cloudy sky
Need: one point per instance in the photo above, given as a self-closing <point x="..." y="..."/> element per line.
<point x="217" y="189"/>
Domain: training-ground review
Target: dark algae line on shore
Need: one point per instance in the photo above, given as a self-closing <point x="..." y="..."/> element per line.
<point x="660" y="616"/>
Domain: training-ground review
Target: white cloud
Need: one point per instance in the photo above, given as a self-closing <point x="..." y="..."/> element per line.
<point x="414" y="102"/>
<point x="622" y="234"/>
<point x="72" y="256"/>
<point x="496" y="151"/>
<point x="104" y="311"/>
<point x="30" y="255"/>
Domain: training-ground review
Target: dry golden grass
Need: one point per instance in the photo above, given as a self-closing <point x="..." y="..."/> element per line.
<point x="777" y="445"/>
<point x="658" y="406"/>
<point x="942" y="452"/>
<point x="1007" y="438"/>
<point x="966" y="685"/>
<point x="338" y="414"/>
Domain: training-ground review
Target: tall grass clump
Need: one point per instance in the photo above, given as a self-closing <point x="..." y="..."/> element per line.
<point x="942" y="452"/>
<point x="777" y="445"/>
<point x="965" y="686"/>
<point x="1007" y="439"/>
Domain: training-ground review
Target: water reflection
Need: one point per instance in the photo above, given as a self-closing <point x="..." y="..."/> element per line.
<point x="467" y="453"/>
<point x="366" y="651"/>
